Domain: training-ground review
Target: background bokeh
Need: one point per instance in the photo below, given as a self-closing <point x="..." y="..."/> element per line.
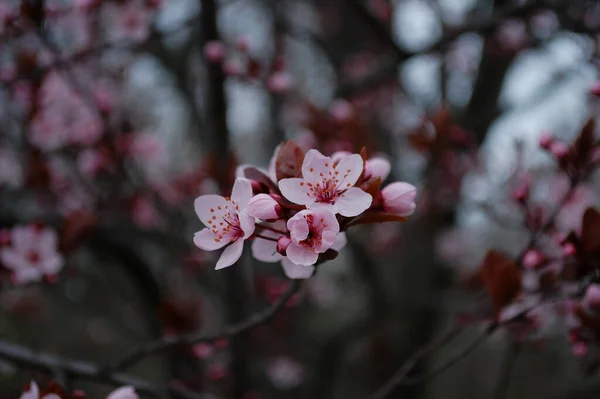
<point x="116" y="114"/>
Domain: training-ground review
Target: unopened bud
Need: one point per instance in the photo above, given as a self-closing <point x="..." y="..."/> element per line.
<point x="282" y="244"/>
<point x="546" y="140"/>
<point x="533" y="258"/>
<point x="214" y="51"/>
<point x="559" y="150"/>
<point x="580" y="349"/>
<point x="595" y="89"/>
<point x="592" y="296"/>
<point x="569" y="249"/>
<point x="264" y="207"/>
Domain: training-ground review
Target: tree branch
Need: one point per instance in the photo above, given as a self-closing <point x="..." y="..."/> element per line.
<point x="169" y="342"/>
<point x="25" y="357"/>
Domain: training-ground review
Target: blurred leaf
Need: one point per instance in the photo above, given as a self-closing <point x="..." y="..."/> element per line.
<point x="502" y="279"/>
<point x="289" y="161"/>
<point x="377" y="217"/>
<point x="590" y="231"/>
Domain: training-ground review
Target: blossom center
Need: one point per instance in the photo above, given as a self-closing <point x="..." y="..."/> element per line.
<point x="33" y="257"/>
<point x="324" y="191"/>
<point x="314" y="238"/>
<point x="225" y="223"/>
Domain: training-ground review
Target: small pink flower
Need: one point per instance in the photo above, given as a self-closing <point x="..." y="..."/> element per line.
<point x="264" y="207"/>
<point x="214" y="51"/>
<point x="312" y="233"/>
<point x="280" y="82"/>
<point x="228" y="223"/>
<point x="399" y="198"/>
<point x="126" y="392"/>
<point x="329" y="185"/>
<point x="341" y="110"/>
<point x="285" y="373"/>
<point x="267" y="251"/>
<point x="32" y="254"/>
<point x="580" y="349"/>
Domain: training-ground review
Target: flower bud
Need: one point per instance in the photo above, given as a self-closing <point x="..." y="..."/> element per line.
<point x="546" y="140"/>
<point x="282" y="244"/>
<point x="569" y="249"/>
<point x="592" y="296"/>
<point x="533" y="258"/>
<point x="580" y="349"/>
<point x="264" y="207"/>
<point x="595" y="89"/>
<point x="214" y="51"/>
<point x="399" y="198"/>
<point x="559" y="150"/>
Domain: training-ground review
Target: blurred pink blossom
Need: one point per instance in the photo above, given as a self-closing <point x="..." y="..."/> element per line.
<point x="285" y="373"/>
<point x="32" y="254"/>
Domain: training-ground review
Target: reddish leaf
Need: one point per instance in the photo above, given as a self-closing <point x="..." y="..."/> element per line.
<point x="585" y="142"/>
<point x="289" y="161"/>
<point x="442" y="120"/>
<point x="590" y="231"/>
<point x="502" y="279"/>
<point x="420" y="140"/>
<point x="372" y="187"/>
<point x="377" y="217"/>
<point x="254" y="174"/>
<point x="77" y="225"/>
<point x="363" y="154"/>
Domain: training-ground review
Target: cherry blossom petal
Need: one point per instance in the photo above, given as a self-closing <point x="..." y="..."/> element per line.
<point x="378" y="167"/>
<point x="298" y="227"/>
<point x="52" y="264"/>
<point x="231" y="254"/>
<point x="51" y="396"/>
<point x="340" y="241"/>
<point x="271" y="171"/>
<point x="264" y="207"/>
<point x="296" y="271"/>
<point x="126" y="392"/>
<point x="247" y="223"/>
<point x="323" y="206"/>
<point x="242" y="192"/>
<point x="265" y="250"/>
<point x="11" y="259"/>
<point x="205" y="239"/>
<point x="325" y="220"/>
<point x="327" y="240"/>
<point x="47" y="241"/>
<point x="353" y="202"/>
<point x="301" y="255"/>
<point x="296" y="190"/>
<point x="399" y="198"/>
<point x="22" y="237"/>
<point x="350" y="168"/>
<point x="33" y="393"/>
<point x="337" y="156"/>
<point x="207" y="206"/>
<point x="27" y="275"/>
<point x="316" y="166"/>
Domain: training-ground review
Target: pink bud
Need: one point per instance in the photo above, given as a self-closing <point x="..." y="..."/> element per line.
<point x="595" y="89"/>
<point x="282" y="244"/>
<point x="214" y="51"/>
<point x="264" y="207"/>
<point x="341" y="110"/>
<point x="559" y="150"/>
<point x="546" y="140"/>
<point x="569" y="249"/>
<point x="202" y="350"/>
<point x="580" y="349"/>
<point x="232" y="68"/>
<point x="243" y="43"/>
<point x="399" y="198"/>
<point x="592" y="296"/>
<point x="280" y="82"/>
<point x="520" y="194"/>
<point x="533" y="258"/>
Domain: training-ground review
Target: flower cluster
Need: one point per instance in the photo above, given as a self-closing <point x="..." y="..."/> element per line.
<point x="298" y="210"/>
<point x="54" y="391"/>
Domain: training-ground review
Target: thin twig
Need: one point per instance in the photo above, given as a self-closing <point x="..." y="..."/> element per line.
<point x="508" y="364"/>
<point x="156" y="346"/>
<point x="25" y="357"/>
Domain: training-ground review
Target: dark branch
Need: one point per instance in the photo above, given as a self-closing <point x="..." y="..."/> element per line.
<point x="156" y="346"/>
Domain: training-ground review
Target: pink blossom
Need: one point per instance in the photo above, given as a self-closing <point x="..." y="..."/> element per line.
<point x="312" y="233"/>
<point x="228" y="223"/>
<point x="264" y="207"/>
<point x="91" y="161"/>
<point x="34" y="393"/>
<point x="126" y="392"/>
<point x="580" y="349"/>
<point x="267" y="251"/>
<point x="202" y="350"/>
<point x="285" y="373"/>
<point x="132" y="22"/>
<point x="32" y="254"/>
<point x="341" y="110"/>
<point x="399" y="198"/>
<point x="328" y="185"/>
